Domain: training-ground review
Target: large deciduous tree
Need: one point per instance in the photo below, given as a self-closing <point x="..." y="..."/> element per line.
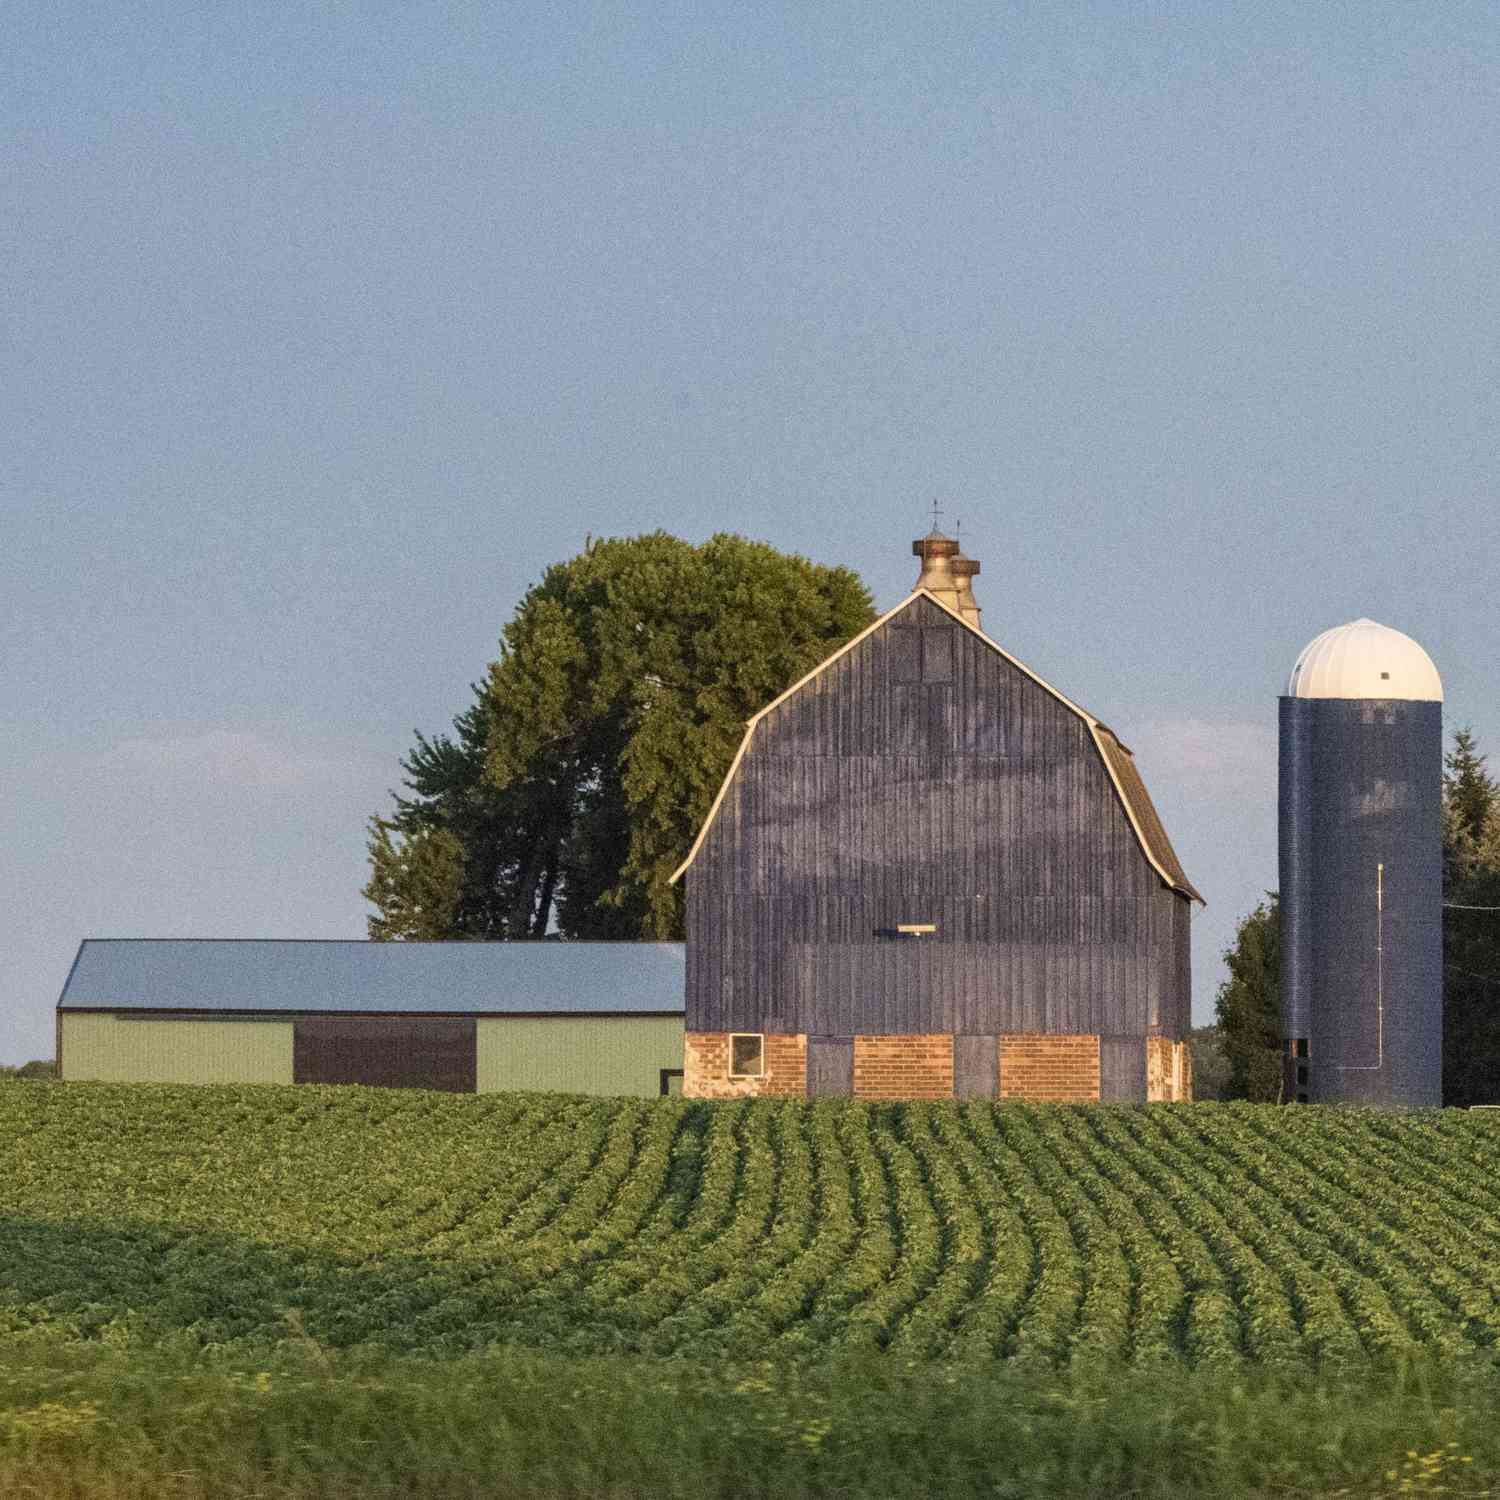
<point x="1248" y="1006"/>
<point x="575" y="782"/>
<point x="1471" y="927"/>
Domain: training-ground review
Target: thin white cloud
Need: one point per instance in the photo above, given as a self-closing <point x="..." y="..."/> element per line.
<point x="1238" y="753"/>
<point x="180" y="829"/>
<point x="233" y="758"/>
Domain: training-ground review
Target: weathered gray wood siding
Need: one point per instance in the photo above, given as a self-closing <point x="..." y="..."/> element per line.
<point x="923" y="778"/>
<point x="1122" y="1069"/>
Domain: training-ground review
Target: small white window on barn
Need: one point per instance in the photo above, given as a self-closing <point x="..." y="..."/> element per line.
<point x="747" y="1055"/>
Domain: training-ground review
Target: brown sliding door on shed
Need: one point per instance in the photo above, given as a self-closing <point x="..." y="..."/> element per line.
<point x="400" y="1052"/>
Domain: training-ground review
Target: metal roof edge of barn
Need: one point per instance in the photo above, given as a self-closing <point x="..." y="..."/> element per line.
<point x="1118" y="761"/>
<point x="302" y="976"/>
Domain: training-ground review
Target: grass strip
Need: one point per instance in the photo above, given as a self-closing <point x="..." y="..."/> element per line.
<point x="89" y="1420"/>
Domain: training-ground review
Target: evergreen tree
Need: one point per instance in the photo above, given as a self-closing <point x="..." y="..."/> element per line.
<point x="1471" y="927"/>
<point x="416" y="885"/>
<point x="1248" y="1007"/>
<point x="576" y="781"/>
<point x="1471" y="811"/>
<point x="479" y="879"/>
<point x="1468" y="789"/>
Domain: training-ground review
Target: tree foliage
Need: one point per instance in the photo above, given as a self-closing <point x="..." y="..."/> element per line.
<point x="575" y="782"/>
<point x="1471" y="934"/>
<point x="1248" y="1007"/>
<point x="36" y="1069"/>
<point x="1210" y="1066"/>
<point x="451" y="860"/>
<point x="417" y="886"/>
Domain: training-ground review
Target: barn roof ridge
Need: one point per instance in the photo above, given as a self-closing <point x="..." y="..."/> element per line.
<point x="1140" y="811"/>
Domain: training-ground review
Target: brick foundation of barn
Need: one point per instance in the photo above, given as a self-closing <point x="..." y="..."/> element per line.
<point x="1036" y="1066"/>
<point x="903" y="1067"/>
<point x="1058" y="1069"/>
<point x="705" y="1067"/>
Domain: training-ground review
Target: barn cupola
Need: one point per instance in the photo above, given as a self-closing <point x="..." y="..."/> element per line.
<point x="946" y="572"/>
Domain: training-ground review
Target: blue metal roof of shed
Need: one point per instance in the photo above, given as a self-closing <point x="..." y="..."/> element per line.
<point x="266" y="974"/>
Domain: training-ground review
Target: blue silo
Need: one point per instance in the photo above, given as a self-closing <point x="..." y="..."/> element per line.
<point x="1362" y="870"/>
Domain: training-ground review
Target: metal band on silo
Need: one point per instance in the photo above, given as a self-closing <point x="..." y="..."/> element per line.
<point x="1294" y="794"/>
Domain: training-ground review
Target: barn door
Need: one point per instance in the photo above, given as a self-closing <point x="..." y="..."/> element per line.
<point x="1122" y="1069"/>
<point x="830" y="1066"/>
<point x="976" y="1067"/>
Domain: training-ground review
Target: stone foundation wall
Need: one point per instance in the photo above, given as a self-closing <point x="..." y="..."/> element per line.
<point x="1035" y="1066"/>
<point x="1061" y="1069"/>
<point x="705" y="1067"/>
<point x="1169" y="1070"/>
<point x="903" y="1067"/>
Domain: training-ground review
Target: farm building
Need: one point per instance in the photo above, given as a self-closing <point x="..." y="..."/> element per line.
<point x="928" y="873"/>
<point x="1361" y="871"/>
<point x="596" y="1018"/>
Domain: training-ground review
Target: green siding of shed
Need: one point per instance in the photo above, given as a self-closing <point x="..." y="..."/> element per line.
<point x="104" y="1049"/>
<point x="579" y="1054"/>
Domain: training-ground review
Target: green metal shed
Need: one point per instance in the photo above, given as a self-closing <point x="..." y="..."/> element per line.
<point x="594" y="1018"/>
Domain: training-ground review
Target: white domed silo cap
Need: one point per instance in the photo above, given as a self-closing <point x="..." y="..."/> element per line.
<point x="1364" y="659"/>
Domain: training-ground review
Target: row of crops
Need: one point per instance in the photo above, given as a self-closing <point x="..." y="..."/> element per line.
<point x="429" y="1223"/>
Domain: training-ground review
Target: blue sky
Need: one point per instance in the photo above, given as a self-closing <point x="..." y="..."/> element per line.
<point x="327" y="327"/>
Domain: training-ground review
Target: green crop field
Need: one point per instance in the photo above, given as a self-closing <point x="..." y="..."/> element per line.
<point x="1189" y="1248"/>
<point x="434" y="1224"/>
